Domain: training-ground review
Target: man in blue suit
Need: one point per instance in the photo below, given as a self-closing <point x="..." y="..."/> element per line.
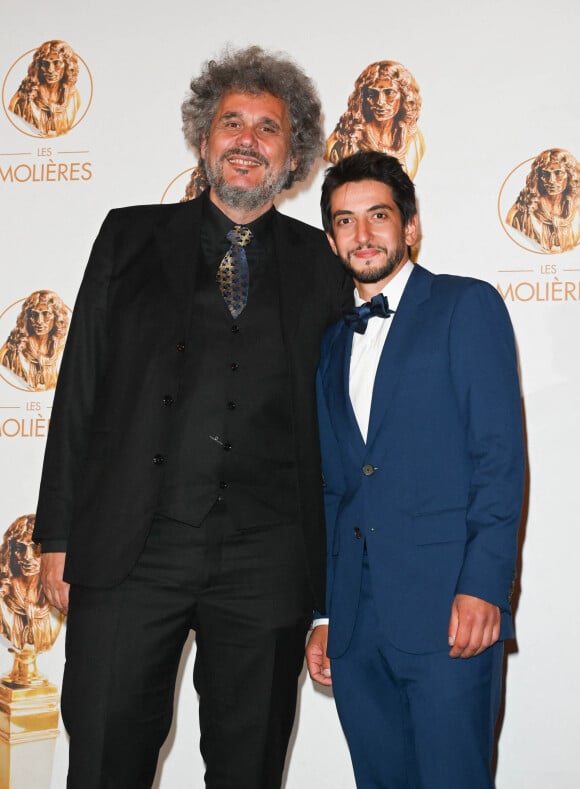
<point x="423" y="460"/>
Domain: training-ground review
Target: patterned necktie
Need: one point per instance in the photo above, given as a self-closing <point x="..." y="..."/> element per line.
<point x="233" y="276"/>
<point x="357" y="318"/>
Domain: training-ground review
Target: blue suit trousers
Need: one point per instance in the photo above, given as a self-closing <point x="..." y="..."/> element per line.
<point x="415" y="721"/>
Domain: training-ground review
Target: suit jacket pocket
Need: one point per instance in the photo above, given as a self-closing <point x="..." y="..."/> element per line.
<point x="441" y="526"/>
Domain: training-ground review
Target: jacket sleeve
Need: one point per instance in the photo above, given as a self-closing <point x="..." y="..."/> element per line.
<point x="72" y="413"/>
<point x="484" y="369"/>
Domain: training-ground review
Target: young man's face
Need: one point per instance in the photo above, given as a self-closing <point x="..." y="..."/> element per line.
<point x="247" y="153"/>
<point x="367" y="231"/>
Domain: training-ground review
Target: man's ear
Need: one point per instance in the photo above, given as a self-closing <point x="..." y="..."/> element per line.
<point x="203" y="147"/>
<point x="332" y="243"/>
<point x="412" y="230"/>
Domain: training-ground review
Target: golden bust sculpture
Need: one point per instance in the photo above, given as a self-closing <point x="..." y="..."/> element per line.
<point x="47" y="98"/>
<point x="33" y="349"/>
<point x="547" y="209"/>
<point x="26" y="618"/>
<point x="381" y="115"/>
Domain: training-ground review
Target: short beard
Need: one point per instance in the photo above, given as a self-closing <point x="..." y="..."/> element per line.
<point x="246" y="199"/>
<point x="370" y="275"/>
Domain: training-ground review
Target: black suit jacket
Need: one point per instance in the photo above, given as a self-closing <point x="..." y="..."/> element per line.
<point x="125" y="352"/>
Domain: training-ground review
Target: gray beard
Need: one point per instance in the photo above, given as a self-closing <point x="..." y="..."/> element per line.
<point x="246" y="199"/>
<point x="369" y="276"/>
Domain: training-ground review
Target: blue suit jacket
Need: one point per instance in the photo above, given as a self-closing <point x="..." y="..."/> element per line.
<point x="436" y="491"/>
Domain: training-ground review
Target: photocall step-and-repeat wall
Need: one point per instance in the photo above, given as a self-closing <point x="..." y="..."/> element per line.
<point x="480" y="103"/>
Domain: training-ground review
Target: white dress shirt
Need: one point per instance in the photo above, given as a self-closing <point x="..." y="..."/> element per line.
<point x="367" y="349"/>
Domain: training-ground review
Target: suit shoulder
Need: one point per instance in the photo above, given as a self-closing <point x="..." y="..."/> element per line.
<point x="305" y="231"/>
<point x="458" y="286"/>
<point x="149" y="213"/>
<point x="136" y="225"/>
<point x="469" y="299"/>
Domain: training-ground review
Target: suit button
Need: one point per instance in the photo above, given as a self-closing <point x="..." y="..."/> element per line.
<point x="227" y="446"/>
<point x="180" y="347"/>
<point x="357" y="533"/>
<point x="168" y="400"/>
<point x="234" y="366"/>
<point x="159" y="460"/>
<point x="368" y="470"/>
<point x="223" y="485"/>
<point x="235" y="329"/>
<point x="231" y="406"/>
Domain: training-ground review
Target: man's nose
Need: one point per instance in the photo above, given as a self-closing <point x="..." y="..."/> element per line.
<point x="247" y="136"/>
<point x="30" y="552"/>
<point x="363" y="232"/>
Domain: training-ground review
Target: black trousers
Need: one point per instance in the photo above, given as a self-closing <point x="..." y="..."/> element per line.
<point x="245" y="593"/>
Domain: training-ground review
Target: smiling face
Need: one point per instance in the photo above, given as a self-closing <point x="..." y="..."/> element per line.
<point x="247" y="154"/>
<point x="368" y="234"/>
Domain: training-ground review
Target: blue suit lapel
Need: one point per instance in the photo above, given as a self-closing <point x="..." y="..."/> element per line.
<point x="397" y="347"/>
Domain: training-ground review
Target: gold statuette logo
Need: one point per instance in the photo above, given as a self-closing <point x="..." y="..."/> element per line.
<point x="27" y="620"/>
<point x="30" y="357"/>
<point x="28" y="700"/>
<point x="545" y="216"/>
<point x="47" y="101"/>
<point x="381" y="115"/>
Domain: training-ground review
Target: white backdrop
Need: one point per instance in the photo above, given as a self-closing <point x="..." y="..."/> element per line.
<point x="499" y="85"/>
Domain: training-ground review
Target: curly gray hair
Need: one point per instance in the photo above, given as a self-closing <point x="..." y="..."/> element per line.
<point x="252" y="70"/>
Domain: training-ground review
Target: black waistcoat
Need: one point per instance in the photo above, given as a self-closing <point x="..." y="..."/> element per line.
<point x="232" y="434"/>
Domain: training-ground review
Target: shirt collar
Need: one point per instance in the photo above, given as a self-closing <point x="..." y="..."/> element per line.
<point x="220" y="224"/>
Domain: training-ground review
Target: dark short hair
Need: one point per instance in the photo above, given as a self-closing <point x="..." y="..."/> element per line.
<point x="369" y="166"/>
<point x="252" y="70"/>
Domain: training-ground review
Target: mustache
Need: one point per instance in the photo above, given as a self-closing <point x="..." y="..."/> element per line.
<point x="368" y="246"/>
<point x="249" y="152"/>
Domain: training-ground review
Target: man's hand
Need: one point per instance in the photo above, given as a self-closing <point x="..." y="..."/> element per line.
<point x="51" y="572"/>
<point x="473" y="626"/>
<point x="316" y="659"/>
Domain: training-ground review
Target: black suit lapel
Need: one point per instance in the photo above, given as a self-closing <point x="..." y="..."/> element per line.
<point x="179" y="245"/>
<point x="294" y="261"/>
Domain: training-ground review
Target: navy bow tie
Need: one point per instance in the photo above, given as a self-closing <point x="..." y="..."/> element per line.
<point x="356" y="318"/>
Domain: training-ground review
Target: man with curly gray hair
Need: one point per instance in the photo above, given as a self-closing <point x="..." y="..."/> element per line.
<point x="181" y="486"/>
<point x="253" y="71"/>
